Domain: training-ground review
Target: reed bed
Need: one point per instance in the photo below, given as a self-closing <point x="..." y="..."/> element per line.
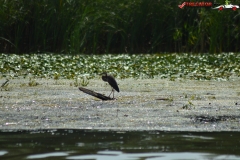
<point x="115" y="26"/>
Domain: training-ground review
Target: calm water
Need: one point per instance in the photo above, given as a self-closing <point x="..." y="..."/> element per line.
<point x="103" y="145"/>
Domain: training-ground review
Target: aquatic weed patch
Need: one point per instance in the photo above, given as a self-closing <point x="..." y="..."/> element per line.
<point x="172" y="66"/>
<point x="213" y="119"/>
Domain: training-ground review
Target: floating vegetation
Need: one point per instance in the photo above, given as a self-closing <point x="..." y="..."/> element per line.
<point x="172" y="66"/>
<point x="213" y="119"/>
<point x="32" y="82"/>
<point x="188" y="106"/>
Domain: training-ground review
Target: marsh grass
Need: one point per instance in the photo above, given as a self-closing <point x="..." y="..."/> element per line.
<point x="83" y="81"/>
<point x="188" y="106"/>
<point x="115" y="26"/>
<point x="32" y="82"/>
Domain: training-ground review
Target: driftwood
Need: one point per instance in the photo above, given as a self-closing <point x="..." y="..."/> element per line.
<point x="5" y="83"/>
<point x="95" y="94"/>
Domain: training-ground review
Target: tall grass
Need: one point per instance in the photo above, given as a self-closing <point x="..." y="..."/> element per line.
<point x="115" y="26"/>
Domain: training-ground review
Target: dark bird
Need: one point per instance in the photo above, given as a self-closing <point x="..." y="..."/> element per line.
<point x="112" y="82"/>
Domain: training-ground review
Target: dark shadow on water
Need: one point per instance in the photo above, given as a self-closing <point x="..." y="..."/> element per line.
<point x="86" y="144"/>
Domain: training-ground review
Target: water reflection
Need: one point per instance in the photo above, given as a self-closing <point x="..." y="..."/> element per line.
<point x="47" y="155"/>
<point x="84" y="144"/>
<point x="3" y="152"/>
<point x="155" y="156"/>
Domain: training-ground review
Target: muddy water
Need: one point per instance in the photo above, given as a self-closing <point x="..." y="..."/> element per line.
<point x="142" y="104"/>
<point x="106" y="145"/>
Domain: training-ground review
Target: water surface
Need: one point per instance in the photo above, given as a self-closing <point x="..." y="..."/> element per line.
<point x="106" y="145"/>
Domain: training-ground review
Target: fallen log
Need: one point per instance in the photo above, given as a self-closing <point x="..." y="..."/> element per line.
<point x="95" y="94"/>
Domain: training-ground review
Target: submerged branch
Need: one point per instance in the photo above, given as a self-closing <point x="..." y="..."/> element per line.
<point x="95" y="94"/>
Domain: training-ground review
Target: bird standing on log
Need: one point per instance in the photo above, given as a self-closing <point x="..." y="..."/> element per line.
<point x="112" y="82"/>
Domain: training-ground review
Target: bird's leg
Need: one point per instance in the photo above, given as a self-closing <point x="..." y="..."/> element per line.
<point x="110" y="93"/>
<point x="113" y="93"/>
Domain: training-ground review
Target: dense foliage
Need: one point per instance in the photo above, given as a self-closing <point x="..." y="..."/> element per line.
<point x="187" y="66"/>
<point x="116" y="26"/>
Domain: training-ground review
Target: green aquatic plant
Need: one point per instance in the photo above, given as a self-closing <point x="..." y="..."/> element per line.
<point x="172" y="66"/>
<point x="32" y="82"/>
<point x="188" y="106"/>
<point x="83" y="81"/>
